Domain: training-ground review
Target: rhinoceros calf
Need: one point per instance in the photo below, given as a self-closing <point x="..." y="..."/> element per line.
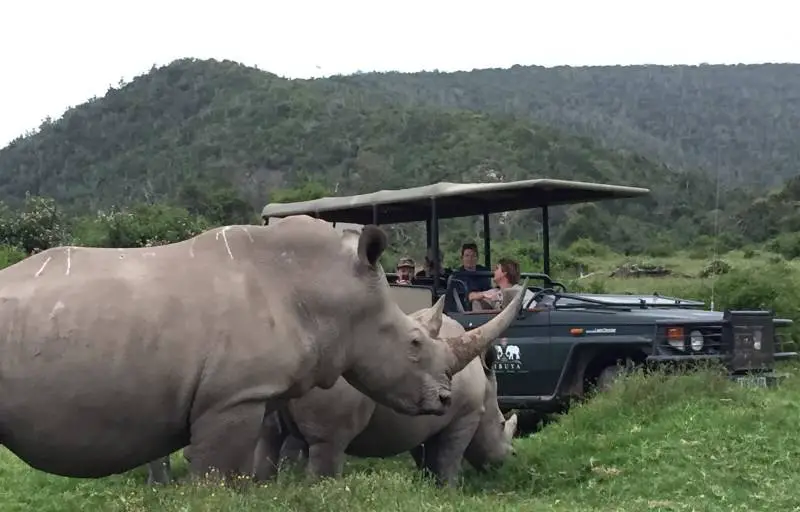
<point x="341" y="420"/>
<point x="113" y="358"/>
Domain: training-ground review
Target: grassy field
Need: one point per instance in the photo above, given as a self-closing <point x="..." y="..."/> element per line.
<point x="691" y="442"/>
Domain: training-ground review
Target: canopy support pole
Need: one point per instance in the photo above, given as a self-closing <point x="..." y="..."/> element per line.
<point x="546" y="243"/>
<point x="434" y="245"/>
<point x="487" y="245"/>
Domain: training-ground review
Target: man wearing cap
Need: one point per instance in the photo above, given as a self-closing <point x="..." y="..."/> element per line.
<point x="405" y="269"/>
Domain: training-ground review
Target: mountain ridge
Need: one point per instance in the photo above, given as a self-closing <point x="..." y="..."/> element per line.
<point x="196" y="125"/>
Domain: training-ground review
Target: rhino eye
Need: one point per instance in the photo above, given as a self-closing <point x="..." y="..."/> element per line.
<point x="416" y="343"/>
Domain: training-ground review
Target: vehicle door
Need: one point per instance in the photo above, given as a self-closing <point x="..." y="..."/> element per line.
<point x="522" y="352"/>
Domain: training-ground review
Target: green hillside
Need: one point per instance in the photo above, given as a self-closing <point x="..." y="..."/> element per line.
<point x="743" y="120"/>
<point x="184" y="132"/>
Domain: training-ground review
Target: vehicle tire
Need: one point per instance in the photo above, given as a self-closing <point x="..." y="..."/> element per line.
<point x="607" y="377"/>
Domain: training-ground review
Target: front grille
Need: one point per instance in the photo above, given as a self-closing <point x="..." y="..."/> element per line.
<point x="752" y="338"/>
<point x="744" y="340"/>
<point x="712" y="339"/>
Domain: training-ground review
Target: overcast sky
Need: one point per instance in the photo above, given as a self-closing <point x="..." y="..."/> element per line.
<point x="57" y="54"/>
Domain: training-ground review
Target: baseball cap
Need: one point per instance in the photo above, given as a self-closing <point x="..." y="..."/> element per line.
<point x="406" y="262"/>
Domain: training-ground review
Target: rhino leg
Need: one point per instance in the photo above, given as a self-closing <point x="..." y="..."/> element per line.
<point x="266" y="456"/>
<point x="418" y="453"/>
<point x="325" y="459"/>
<point x="223" y="442"/>
<point x="294" y="450"/>
<point x="442" y="455"/>
<point x="159" y="471"/>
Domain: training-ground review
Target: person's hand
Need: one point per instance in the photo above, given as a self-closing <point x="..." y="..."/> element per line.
<point x="491" y="295"/>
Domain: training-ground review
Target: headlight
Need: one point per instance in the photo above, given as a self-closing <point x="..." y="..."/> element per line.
<point x="696" y="339"/>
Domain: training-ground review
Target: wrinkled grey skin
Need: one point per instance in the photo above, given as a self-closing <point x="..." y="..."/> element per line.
<point x="341" y="420"/>
<point x="113" y="358"/>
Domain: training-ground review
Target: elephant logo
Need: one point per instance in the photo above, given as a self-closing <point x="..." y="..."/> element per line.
<point x="508" y="358"/>
<point x="499" y="351"/>
<point x="512" y="353"/>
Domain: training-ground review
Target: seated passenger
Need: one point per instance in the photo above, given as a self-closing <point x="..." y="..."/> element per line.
<point x="405" y="269"/>
<point x="506" y="276"/>
<point x="469" y="264"/>
<point x="427" y="270"/>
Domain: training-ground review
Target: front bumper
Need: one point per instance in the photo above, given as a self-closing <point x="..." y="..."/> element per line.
<point x="686" y="358"/>
<point x="762" y="378"/>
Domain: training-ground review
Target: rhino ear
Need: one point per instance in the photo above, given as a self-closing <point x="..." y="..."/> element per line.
<point x="488" y="358"/>
<point x="371" y="243"/>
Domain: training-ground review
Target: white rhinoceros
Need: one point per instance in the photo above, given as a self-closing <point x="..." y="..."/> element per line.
<point x="329" y="423"/>
<point x="113" y="358"/>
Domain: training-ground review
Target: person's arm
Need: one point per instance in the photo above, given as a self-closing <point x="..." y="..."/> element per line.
<point x="491" y="295"/>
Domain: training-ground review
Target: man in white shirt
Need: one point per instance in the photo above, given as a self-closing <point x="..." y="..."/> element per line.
<point x="506" y="277"/>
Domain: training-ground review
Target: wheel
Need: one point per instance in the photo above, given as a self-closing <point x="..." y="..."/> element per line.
<point x="607" y="377"/>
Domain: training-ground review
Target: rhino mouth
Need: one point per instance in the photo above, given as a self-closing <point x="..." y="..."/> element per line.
<point x="436" y="403"/>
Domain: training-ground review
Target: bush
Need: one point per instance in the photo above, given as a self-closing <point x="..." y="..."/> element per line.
<point x="585" y="247"/>
<point x="750" y="253"/>
<point x="716" y="267"/>
<point x="39" y="225"/>
<point x="660" y="249"/>
<point x="141" y="226"/>
<point x="785" y="244"/>
<point x="10" y="255"/>
<point x="565" y="263"/>
<point x="526" y="254"/>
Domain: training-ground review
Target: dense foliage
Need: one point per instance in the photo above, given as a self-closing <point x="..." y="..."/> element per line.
<point x="740" y="120"/>
<point x="218" y="139"/>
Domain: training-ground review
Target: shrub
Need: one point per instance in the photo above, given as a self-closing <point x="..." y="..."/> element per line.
<point x="586" y="247"/>
<point x="785" y="244"/>
<point x="141" y="226"/>
<point x="716" y="267"/>
<point x="10" y="255"/>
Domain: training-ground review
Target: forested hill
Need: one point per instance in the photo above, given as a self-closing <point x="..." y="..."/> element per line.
<point x="191" y="131"/>
<point x="742" y="120"/>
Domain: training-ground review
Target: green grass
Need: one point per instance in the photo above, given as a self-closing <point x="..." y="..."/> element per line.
<point x="693" y="442"/>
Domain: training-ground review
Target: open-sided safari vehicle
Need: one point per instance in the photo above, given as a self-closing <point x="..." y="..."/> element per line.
<point x="562" y="343"/>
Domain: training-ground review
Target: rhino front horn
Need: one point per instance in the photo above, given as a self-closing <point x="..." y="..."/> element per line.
<point x="472" y="343"/>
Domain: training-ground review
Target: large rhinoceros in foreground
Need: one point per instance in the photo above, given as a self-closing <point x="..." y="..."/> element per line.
<point x="341" y="420"/>
<point x="113" y="358"/>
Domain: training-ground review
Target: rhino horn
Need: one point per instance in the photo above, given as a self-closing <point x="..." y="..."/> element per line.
<point x="431" y="318"/>
<point x="510" y="428"/>
<point x="472" y="343"/>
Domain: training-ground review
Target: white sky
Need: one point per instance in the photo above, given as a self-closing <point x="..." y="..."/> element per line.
<point x="57" y="54"/>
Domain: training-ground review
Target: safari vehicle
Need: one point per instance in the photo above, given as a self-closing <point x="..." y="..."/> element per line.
<point x="562" y="344"/>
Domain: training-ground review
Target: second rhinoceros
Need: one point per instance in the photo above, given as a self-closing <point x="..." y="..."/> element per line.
<point x="113" y="358"/>
<point x="329" y="423"/>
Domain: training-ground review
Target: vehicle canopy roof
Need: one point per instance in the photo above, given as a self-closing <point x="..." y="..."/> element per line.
<point x="452" y="200"/>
